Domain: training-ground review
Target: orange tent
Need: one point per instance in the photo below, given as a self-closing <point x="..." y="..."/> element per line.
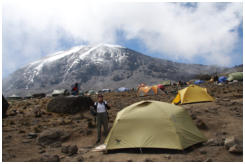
<point x="149" y="90"/>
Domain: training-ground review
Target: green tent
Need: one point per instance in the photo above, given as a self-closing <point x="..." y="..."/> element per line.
<point x="14" y="97"/>
<point x="153" y="124"/>
<point x="91" y="92"/>
<point x="58" y="92"/>
<point x="166" y="83"/>
<point x="235" y="76"/>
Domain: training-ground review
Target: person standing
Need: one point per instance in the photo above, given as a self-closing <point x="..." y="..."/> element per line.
<point x="101" y="108"/>
<point x="75" y="90"/>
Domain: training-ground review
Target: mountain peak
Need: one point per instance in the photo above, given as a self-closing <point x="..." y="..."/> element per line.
<point x="110" y="45"/>
<point x="60" y="54"/>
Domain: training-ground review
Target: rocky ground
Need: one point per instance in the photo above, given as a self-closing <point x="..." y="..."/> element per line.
<point x="30" y="133"/>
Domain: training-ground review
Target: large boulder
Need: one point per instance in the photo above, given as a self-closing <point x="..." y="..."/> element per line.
<point x="39" y="95"/>
<point x="5" y="107"/>
<point x="52" y="136"/>
<point x="69" y="104"/>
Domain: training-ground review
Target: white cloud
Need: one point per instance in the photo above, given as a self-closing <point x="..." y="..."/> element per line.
<point x="32" y="28"/>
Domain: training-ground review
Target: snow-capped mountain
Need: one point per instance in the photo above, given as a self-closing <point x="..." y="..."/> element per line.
<point x="97" y="67"/>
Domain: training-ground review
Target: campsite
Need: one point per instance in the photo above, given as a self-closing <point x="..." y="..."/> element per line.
<point x="34" y="131"/>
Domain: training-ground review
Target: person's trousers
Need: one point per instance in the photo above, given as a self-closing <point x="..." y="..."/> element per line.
<point x="101" y="119"/>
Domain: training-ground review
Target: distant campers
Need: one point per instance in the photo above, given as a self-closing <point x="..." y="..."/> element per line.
<point x="75" y="89"/>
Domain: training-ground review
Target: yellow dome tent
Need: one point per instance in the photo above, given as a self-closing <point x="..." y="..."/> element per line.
<point x="191" y="94"/>
<point x="149" y="90"/>
<point x="153" y="124"/>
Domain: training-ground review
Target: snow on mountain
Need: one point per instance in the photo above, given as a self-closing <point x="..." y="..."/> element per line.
<point x="94" y="54"/>
<point x="96" y="67"/>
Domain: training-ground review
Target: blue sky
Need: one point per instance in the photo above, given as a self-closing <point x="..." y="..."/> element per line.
<point x="201" y="33"/>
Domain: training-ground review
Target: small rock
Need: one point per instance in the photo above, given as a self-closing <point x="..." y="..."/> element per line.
<point x="208" y="160"/>
<point x="64" y="149"/>
<point x="88" y="132"/>
<point x="194" y="160"/>
<point x="26" y="141"/>
<point x="206" y="110"/>
<point x="224" y="132"/>
<point x="37" y="111"/>
<point x="29" y="137"/>
<point x="200" y="124"/>
<point x="80" y="159"/>
<point x="62" y="157"/>
<point x="229" y="142"/>
<point x="193" y="116"/>
<point x="148" y="160"/>
<point x="12" y="122"/>
<point x="33" y="160"/>
<point x="167" y="156"/>
<point x="238" y="115"/>
<point x="56" y="144"/>
<point x="215" y="142"/>
<point x="236" y="149"/>
<point x="90" y="125"/>
<point x="32" y="135"/>
<point x="81" y="131"/>
<point x="37" y="129"/>
<point x="72" y="150"/>
<point x="42" y="151"/>
<point x="21" y="131"/>
<point x="8" y="137"/>
<point x="67" y="121"/>
<point x="203" y="152"/>
<point x="78" y="117"/>
<point x="50" y="158"/>
<point x="13" y="113"/>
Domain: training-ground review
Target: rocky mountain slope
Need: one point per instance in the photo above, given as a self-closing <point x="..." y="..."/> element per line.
<point x="97" y="67"/>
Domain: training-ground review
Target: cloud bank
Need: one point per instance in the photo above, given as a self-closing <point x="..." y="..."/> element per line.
<point x="208" y="31"/>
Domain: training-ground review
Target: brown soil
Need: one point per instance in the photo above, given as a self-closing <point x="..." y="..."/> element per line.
<point x="223" y="118"/>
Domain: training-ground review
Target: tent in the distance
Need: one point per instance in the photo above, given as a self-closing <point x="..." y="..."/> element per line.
<point x="14" y="97"/>
<point x="198" y="82"/>
<point x="166" y="83"/>
<point x="222" y="79"/>
<point x="123" y="89"/>
<point x="160" y="86"/>
<point x="235" y="76"/>
<point x="149" y="90"/>
<point x="91" y="92"/>
<point x="191" y="94"/>
<point x="58" y="92"/>
<point x="153" y="124"/>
